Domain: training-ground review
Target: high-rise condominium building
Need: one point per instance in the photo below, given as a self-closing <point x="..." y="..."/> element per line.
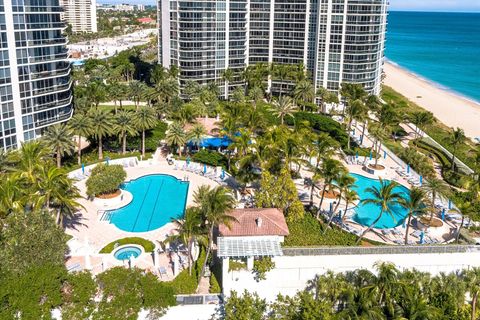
<point x="336" y="40"/>
<point x="80" y="14"/>
<point x="35" y="86"/>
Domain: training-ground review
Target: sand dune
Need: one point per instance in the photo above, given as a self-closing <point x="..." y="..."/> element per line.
<point x="453" y="110"/>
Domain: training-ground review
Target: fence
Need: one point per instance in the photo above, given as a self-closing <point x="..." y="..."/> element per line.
<point x="329" y="251"/>
<point x="190" y="299"/>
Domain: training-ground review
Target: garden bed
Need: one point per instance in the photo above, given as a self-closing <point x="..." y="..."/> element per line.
<point x="109" y="195"/>
<point x="147" y="245"/>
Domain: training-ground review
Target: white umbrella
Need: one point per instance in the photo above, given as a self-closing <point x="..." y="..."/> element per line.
<point x="132" y="261"/>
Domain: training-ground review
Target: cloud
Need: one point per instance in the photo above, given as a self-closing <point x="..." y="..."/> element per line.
<point x="436" y="5"/>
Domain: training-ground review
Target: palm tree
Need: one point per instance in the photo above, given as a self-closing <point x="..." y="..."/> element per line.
<point x="57" y="192"/>
<point x="350" y="196"/>
<point x="12" y="196"/>
<point x="421" y="119"/>
<point x="102" y="125"/>
<point x="227" y="76"/>
<point x="457" y="138"/>
<point x="176" y="136"/>
<point x="96" y="92"/>
<point x="436" y="187"/>
<point x="304" y="91"/>
<point x="354" y="111"/>
<point x="378" y="132"/>
<point x="384" y="197"/>
<point x="145" y="118"/>
<point x="188" y="231"/>
<point x="81" y="125"/>
<point x="344" y="183"/>
<point x="214" y="205"/>
<point x="255" y="94"/>
<point x="472" y="278"/>
<point x="465" y="209"/>
<point x="124" y="126"/>
<point x="283" y="107"/>
<point x="282" y="72"/>
<point x="136" y="89"/>
<point x="328" y="172"/>
<point x="197" y="134"/>
<point x="29" y="159"/>
<point x="59" y="137"/>
<point x="416" y="204"/>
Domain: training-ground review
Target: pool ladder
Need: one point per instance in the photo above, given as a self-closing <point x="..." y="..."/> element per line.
<point x="106" y="215"/>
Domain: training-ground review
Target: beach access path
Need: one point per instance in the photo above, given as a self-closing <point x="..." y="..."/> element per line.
<point x="450" y="108"/>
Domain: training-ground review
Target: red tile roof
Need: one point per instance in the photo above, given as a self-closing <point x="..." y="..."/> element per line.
<point x="272" y="223"/>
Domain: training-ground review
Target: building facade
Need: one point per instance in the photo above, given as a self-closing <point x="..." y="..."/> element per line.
<point x="336" y="40"/>
<point x="35" y="85"/>
<point x="81" y="14"/>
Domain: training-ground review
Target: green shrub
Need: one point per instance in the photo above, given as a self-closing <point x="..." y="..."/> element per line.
<point x="236" y="265"/>
<point x="147" y="245"/>
<point x="309" y="232"/>
<point x="261" y="266"/>
<point x="419" y="162"/>
<point x="105" y="179"/>
<point x="441" y="157"/>
<point x="211" y="158"/>
<point x="322" y="123"/>
<point x="185" y="283"/>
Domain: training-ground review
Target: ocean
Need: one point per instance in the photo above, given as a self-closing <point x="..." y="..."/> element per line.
<point x="441" y="47"/>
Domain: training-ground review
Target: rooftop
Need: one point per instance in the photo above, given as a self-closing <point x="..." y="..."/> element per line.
<point x="256" y="222"/>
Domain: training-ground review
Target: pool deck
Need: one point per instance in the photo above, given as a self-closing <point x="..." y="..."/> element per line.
<point x="87" y="226"/>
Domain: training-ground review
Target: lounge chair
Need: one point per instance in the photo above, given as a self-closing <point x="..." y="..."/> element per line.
<point x="162" y="271"/>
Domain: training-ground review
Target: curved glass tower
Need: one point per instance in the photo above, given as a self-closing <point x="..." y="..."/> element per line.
<point x="336" y="40"/>
<point x="35" y="85"/>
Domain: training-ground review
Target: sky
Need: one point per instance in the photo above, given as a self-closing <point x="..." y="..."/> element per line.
<point x="411" y="5"/>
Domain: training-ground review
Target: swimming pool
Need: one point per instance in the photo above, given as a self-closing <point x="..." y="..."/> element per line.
<point x="126" y="252"/>
<point x="365" y="214"/>
<point x="156" y="200"/>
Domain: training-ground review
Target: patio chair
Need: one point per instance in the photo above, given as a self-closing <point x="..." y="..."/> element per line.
<point x="162" y="271"/>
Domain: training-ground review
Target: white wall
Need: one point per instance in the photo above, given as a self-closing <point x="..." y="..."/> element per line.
<point x="292" y="273"/>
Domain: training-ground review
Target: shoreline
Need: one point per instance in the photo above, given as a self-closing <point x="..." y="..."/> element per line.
<point x="451" y="108"/>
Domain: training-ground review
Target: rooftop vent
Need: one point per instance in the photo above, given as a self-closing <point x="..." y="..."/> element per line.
<point x="259" y="222"/>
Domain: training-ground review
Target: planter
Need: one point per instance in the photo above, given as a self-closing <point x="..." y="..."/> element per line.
<point x="378" y="170"/>
<point x="426" y="223"/>
<point x="113" y="201"/>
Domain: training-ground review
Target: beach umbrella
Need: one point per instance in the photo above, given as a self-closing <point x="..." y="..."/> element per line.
<point x="353" y="132"/>
<point x="222" y="175"/>
<point x="361" y="139"/>
<point x="83" y="168"/>
<point x="408" y="168"/>
<point x="356" y="155"/>
<point x="449" y="204"/>
<point x="404" y="223"/>
<point x="443" y="214"/>
<point x="421" y="180"/>
<point x="331" y="207"/>
<point x="370" y="155"/>
<point x="107" y="159"/>
<point x="88" y="260"/>
<point x="422" y="235"/>
<point x="188" y="161"/>
<point x="204" y="168"/>
<point x="384" y="154"/>
<point x="131" y="261"/>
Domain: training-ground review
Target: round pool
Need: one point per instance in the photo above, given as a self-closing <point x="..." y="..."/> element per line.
<point x="365" y="214"/>
<point x="125" y="253"/>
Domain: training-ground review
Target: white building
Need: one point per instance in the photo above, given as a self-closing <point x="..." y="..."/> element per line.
<point x="124" y="7"/>
<point x="336" y="40"/>
<point x="140" y="7"/>
<point x="81" y="14"/>
<point x="35" y="84"/>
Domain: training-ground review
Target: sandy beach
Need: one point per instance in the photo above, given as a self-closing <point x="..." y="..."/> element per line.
<point x="451" y="109"/>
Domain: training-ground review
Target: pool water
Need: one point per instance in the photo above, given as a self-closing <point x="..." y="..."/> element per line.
<point x="365" y="214"/>
<point x="156" y="200"/>
<point x="126" y="252"/>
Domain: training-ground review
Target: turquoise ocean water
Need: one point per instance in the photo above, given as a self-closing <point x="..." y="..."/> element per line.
<point x="441" y="47"/>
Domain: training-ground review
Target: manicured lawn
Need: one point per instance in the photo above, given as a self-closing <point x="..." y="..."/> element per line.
<point x="147" y="245"/>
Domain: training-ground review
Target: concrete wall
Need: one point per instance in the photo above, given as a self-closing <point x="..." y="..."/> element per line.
<point x="292" y="273"/>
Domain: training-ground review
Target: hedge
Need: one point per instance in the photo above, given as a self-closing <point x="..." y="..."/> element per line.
<point x="185" y="283"/>
<point x="309" y="232"/>
<point x="322" y="123"/>
<point x="439" y="154"/>
<point x="147" y="245"/>
<point x="105" y="179"/>
<point x="211" y="158"/>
